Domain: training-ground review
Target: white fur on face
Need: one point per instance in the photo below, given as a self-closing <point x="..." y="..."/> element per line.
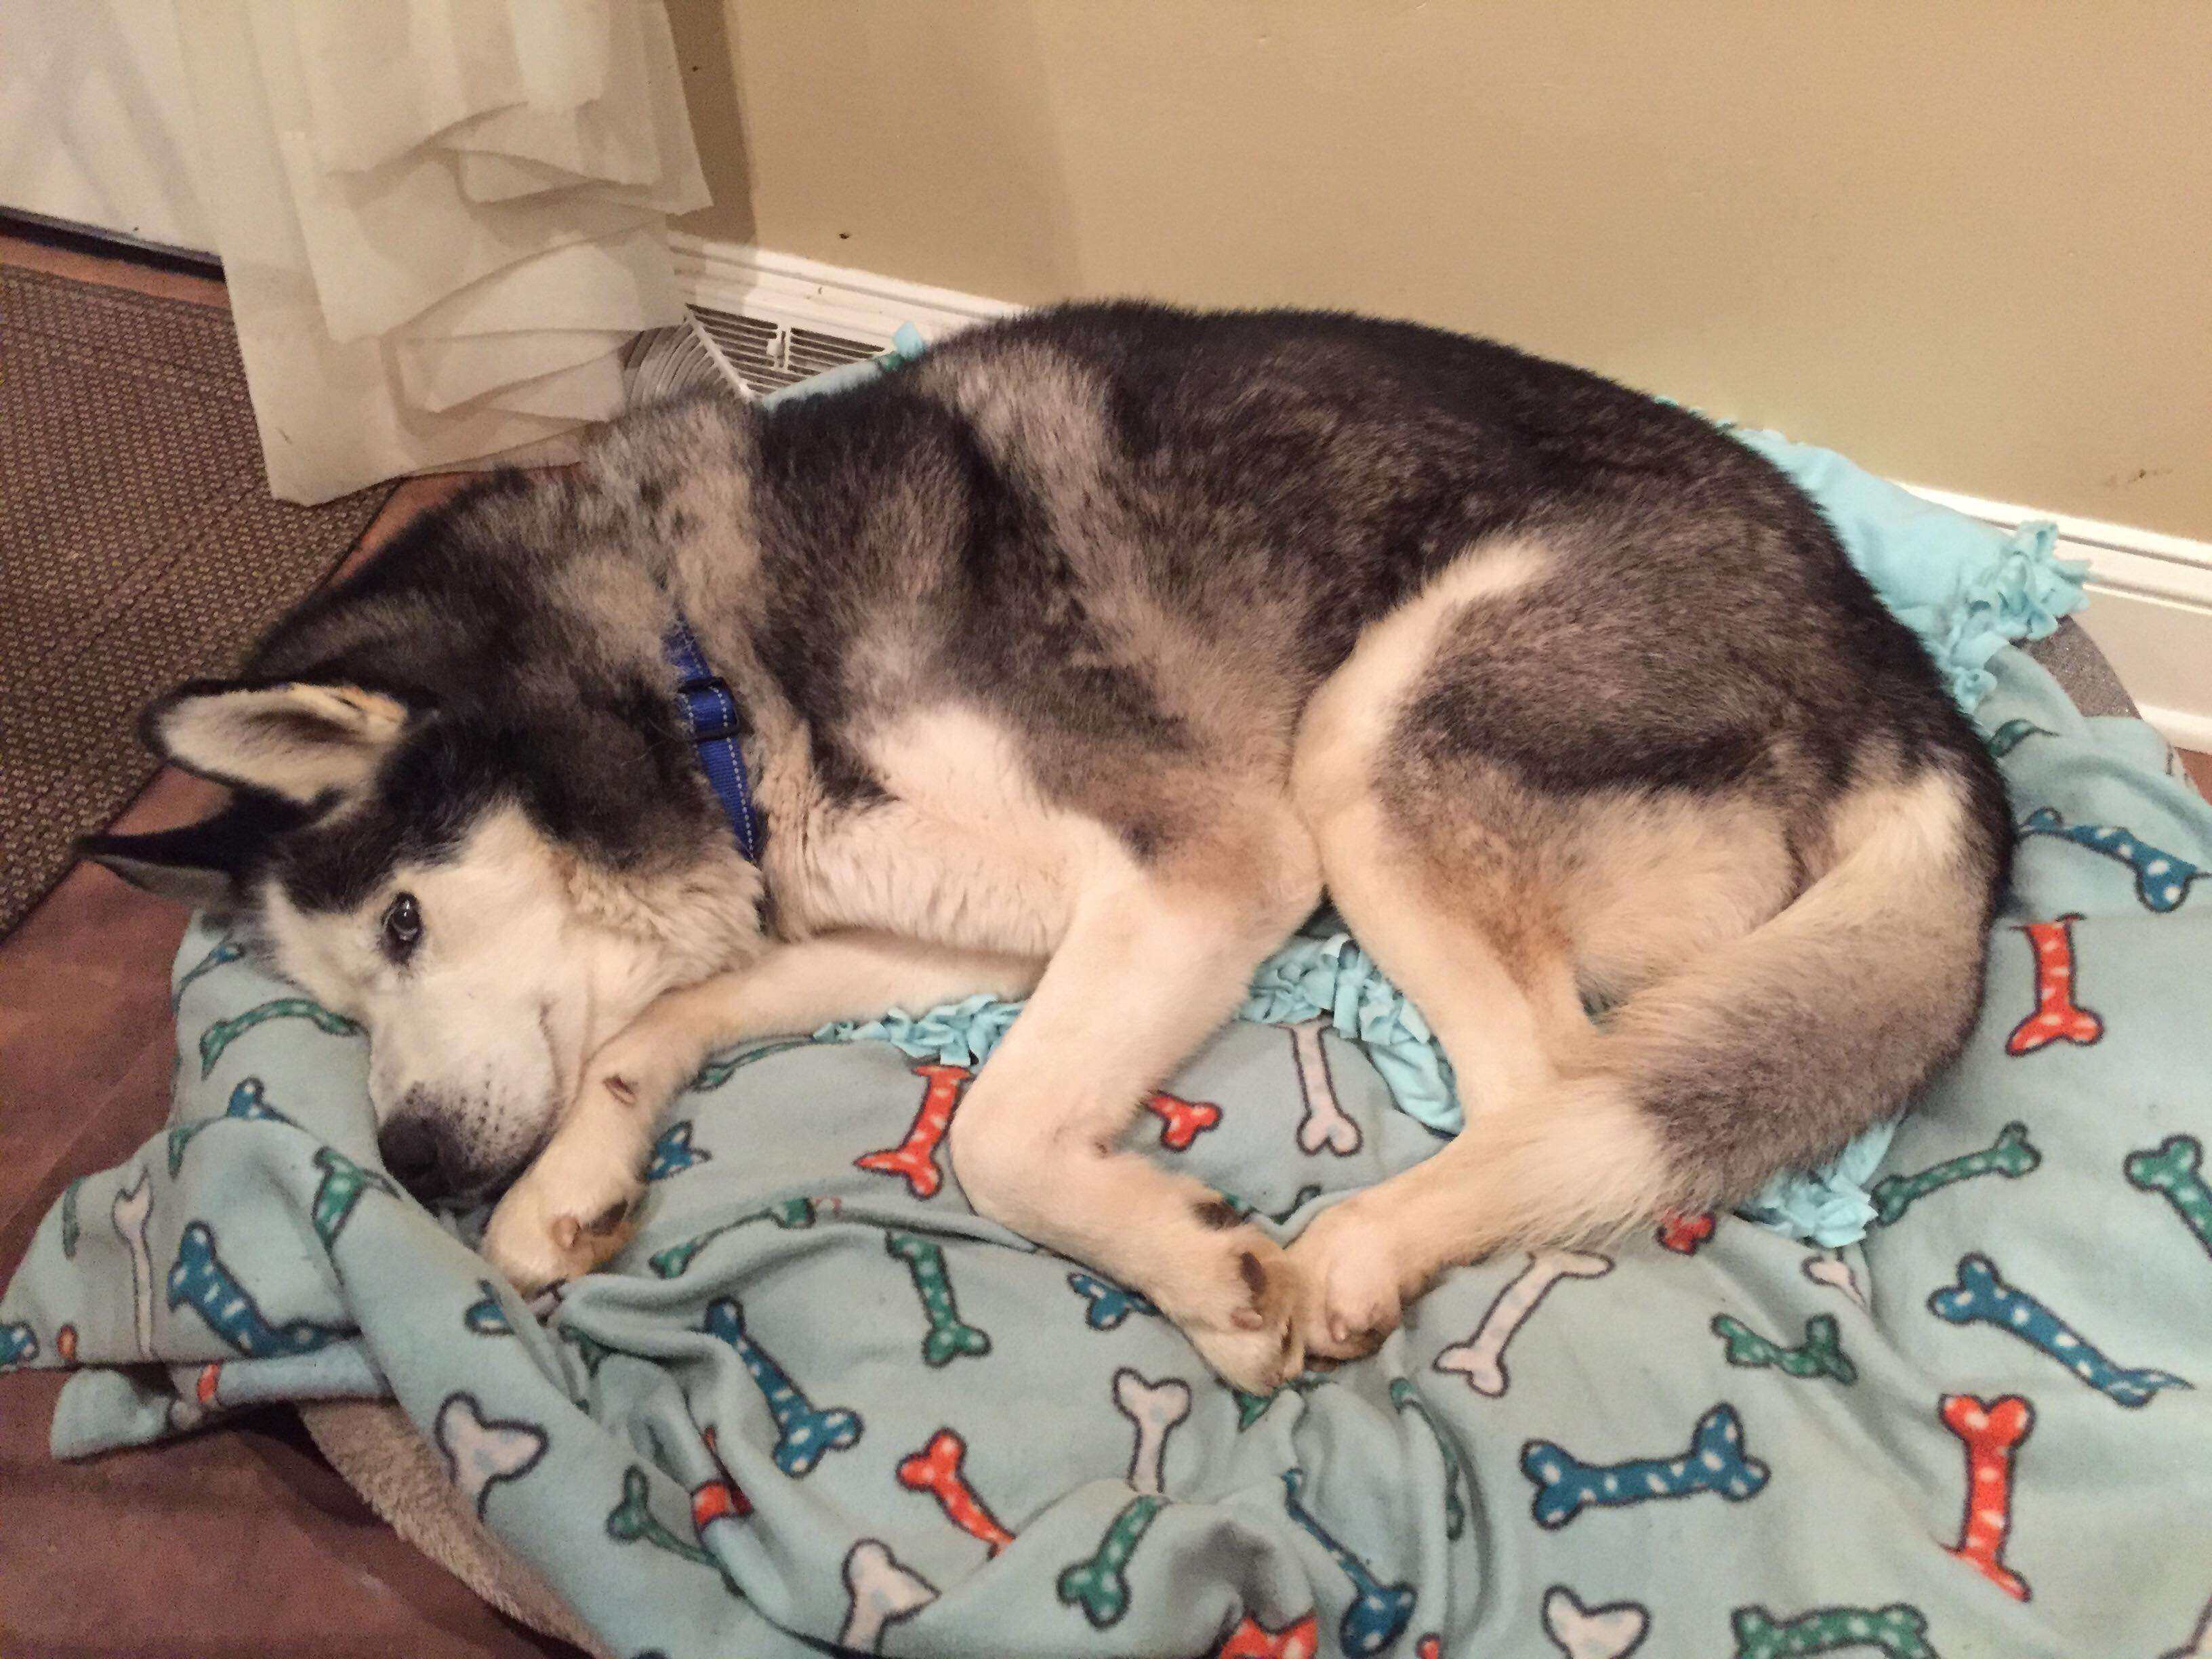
<point x="520" y="975"/>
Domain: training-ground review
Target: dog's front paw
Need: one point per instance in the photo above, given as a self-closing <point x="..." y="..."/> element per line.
<point x="560" y="1221"/>
<point x="1350" y="1293"/>
<point x="1238" y="1305"/>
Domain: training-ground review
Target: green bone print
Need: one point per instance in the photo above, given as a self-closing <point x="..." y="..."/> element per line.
<point x="2172" y="1168"/>
<point x="2010" y="1155"/>
<point x="1406" y="1397"/>
<point x="224" y="1032"/>
<point x="1100" y="1586"/>
<point x="225" y="951"/>
<point x="2009" y="736"/>
<point x="785" y="1213"/>
<point x="342" y="1184"/>
<point x="1900" y="1630"/>
<point x="715" y="1072"/>
<point x="949" y="1338"/>
<point x="1820" y="1354"/>
<point x="633" y="1519"/>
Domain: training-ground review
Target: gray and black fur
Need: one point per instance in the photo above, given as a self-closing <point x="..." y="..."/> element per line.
<point x="1138" y="541"/>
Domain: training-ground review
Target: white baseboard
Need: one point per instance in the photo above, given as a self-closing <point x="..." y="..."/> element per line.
<point x="2152" y="614"/>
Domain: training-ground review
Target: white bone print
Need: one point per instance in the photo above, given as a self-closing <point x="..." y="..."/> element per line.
<point x="1325" y="1126"/>
<point x="1481" y="1357"/>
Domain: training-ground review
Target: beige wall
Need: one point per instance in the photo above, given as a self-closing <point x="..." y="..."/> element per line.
<point x="1969" y="243"/>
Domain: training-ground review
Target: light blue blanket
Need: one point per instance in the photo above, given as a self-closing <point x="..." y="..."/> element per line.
<point x="818" y="1401"/>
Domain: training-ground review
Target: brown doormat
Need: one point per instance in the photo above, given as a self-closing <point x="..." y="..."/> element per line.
<point x="139" y="546"/>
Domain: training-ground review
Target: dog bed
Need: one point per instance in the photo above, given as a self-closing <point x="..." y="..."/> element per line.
<point x="817" y="1403"/>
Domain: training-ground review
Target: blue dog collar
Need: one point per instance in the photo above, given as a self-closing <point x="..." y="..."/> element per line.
<point x="710" y="709"/>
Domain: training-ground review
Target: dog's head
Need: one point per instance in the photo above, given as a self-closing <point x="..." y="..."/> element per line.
<point x="490" y="845"/>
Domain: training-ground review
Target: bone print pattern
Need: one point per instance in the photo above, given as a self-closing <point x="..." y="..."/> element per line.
<point x="1481" y="1358"/>
<point x="218" y="1037"/>
<point x="225" y="950"/>
<point x="632" y="1521"/>
<point x="484" y="1316"/>
<point x="1900" y="1630"/>
<point x="787" y="1213"/>
<point x="1104" y="1305"/>
<point x="1981" y="1296"/>
<point x="2057" y="1017"/>
<point x="1326" y="1126"/>
<point x="948" y="1336"/>
<point x="936" y="1469"/>
<point x="1250" y="1639"/>
<point x="247" y="1101"/>
<point x="2012" y="1155"/>
<point x="879" y="1593"/>
<point x="915" y="1159"/>
<point x="719" y="1070"/>
<point x="1716" y="1462"/>
<point x="1832" y="1272"/>
<point x="673" y="1152"/>
<point x="342" y="1184"/>
<point x="1100" y="1583"/>
<point x="19" y="1345"/>
<point x="481" y="1451"/>
<point x="1182" y="1121"/>
<point x="2173" y="1170"/>
<point x="133" y="1207"/>
<point x="200" y="1280"/>
<point x="1154" y="1410"/>
<point x="1407" y="1398"/>
<point x="2009" y="736"/>
<point x="1993" y="1431"/>
<point x="70" y="1195"/>
<point x="805" y="1434"/>
<point x="1820" y="1354"/>
<point x="1686" y="1235"/>
<point x="1611" y="1632"/>
<point x="1378" y="1613"/>
<point x="2162" y="879"/>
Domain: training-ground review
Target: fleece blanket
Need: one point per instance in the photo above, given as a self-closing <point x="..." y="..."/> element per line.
<point x="820" y="1405"/>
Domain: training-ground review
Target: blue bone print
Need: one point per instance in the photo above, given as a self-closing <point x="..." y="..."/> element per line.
<point x="673" y="1154"/>
<point x="246" y="1101"/>
<point x="1981" y="1296"/>
<point x="484" y="1315"/>
<point x="805" y="1434"/>
<point x="2009" y="736"/>
<point x="1107" y="1305"/>
<point x="200" y="1277"/>
<point x="2162" y="880"/>
<point x="1715" y="1463"/>
<point x="1379" y="1613"/>
<point x="19" y="1345"/>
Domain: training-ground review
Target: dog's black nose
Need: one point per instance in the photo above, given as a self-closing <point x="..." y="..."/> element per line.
<point x="420" y="1155"/>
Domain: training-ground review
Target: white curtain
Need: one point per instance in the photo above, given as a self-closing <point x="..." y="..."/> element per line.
<point x="440" y="220"/>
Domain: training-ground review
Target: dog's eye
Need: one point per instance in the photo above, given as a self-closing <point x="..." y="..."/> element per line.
<point x="403" y="927"/>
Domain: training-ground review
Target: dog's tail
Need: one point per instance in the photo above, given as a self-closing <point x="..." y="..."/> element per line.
<point x="1772" y="1052"/>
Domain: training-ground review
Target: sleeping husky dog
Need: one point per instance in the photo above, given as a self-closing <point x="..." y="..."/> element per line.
<point x="1079" y="662"/>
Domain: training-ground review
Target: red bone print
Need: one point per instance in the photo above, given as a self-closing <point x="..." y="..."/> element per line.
<point x="935" y="1469"/>
<point x="2056" y="1015"/>
<point x="1682" y="1234"/>
<point x="1993" y="1431"/>
<point x="211" y="1379"/>
<point x="1429" y="1647"/>
<point x="1182" y="1121"/>
<point x="1253" y="1640"/>
<point x="916" y="1158"/>
<point x="712" y="1500"/>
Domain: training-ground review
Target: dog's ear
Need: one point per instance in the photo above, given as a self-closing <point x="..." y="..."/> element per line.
<point x="204" y="864"/>
<point x="296" y="740"/>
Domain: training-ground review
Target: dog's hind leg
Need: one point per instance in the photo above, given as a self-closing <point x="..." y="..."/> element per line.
<point x="1153" y="962"/>
<point x="567" y="1214"/>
